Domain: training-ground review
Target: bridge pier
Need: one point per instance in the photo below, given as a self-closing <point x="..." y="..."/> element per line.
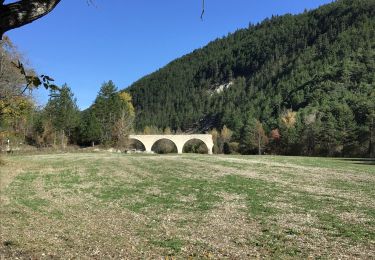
<point x="148" y="146"/>
<point x="179" y="148"/>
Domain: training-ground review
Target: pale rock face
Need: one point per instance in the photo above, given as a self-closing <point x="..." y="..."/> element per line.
<point x="217" y="89"/>
<point x="179" y="140"/>
<point x="222" y="87"/>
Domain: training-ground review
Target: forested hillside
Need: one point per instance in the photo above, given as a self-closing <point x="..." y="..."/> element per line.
<point x="308" y="80"/>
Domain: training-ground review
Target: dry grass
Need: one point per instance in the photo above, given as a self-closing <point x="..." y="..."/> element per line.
<point x="96" y="206"/>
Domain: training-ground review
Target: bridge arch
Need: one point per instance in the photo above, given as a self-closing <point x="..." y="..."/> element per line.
<point x="137" y="140"/>
<point x="136" y="144"/>
<point x="179" y="140"/>
<point x="164" y="145"/>
<point x="195" y="145"/>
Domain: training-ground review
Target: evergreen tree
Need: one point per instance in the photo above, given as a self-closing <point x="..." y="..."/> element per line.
<point x="64" y="114"/>
<point x="107" y="110"/>
<point x="248" y="137"/>
<point x="90" y="130"/>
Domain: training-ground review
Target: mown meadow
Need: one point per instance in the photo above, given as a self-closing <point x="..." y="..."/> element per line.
<point x="103" y="205"/>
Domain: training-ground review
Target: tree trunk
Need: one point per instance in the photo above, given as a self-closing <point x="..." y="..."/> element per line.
<point x="371" y="147"/>
<point x="63" y="139"/>
<point x="17" y="14"/>
<point x="259" y="146"/>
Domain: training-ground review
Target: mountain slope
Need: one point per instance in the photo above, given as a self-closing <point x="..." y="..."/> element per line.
<point x="320" y="64"/>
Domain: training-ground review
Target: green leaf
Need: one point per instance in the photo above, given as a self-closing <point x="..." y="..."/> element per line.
<point x="36" y="81"/>
<point x="49" y="78"/>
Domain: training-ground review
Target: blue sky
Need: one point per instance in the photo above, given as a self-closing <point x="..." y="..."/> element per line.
<point x="84" y="45"/>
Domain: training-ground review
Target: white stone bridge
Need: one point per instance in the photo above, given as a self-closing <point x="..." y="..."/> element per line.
<point x="179" y="140"/>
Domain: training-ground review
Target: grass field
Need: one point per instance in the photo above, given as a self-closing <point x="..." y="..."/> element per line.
<point x="103" y="205"/>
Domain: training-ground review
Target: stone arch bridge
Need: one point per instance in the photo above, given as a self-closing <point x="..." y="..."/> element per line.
<point x="179" y="140"/>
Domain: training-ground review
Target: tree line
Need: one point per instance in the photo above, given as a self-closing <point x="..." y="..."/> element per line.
<point x="59" y="123"/>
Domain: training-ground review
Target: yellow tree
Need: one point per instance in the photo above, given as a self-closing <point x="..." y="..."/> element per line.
<point x="124" y="124"/>
<point x="289" y="118"/>
<point x="289" y="134"/>
<point x="126" y="99"/>
<point x="16" y="104"/>
<point x="225" y="137"/>
<point x="147" y="130"/>
<point x="215" y="137"/>
<point x="167" y="131"/>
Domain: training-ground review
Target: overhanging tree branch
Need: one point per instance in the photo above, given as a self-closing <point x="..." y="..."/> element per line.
<point x="17" y="14"/>
<point x="23" y="12"/>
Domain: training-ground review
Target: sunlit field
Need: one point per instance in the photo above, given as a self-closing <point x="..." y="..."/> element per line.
<point x="102" y="205"/>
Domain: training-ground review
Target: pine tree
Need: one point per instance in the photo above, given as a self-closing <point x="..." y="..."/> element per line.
<point x="248" y="136"/>
<point x="107" y="110"/>
<point x="90" y="130"/>
<point x="64" y="113"/>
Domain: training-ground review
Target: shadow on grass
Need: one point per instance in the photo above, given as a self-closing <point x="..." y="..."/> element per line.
<point x="363" y="161"/>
